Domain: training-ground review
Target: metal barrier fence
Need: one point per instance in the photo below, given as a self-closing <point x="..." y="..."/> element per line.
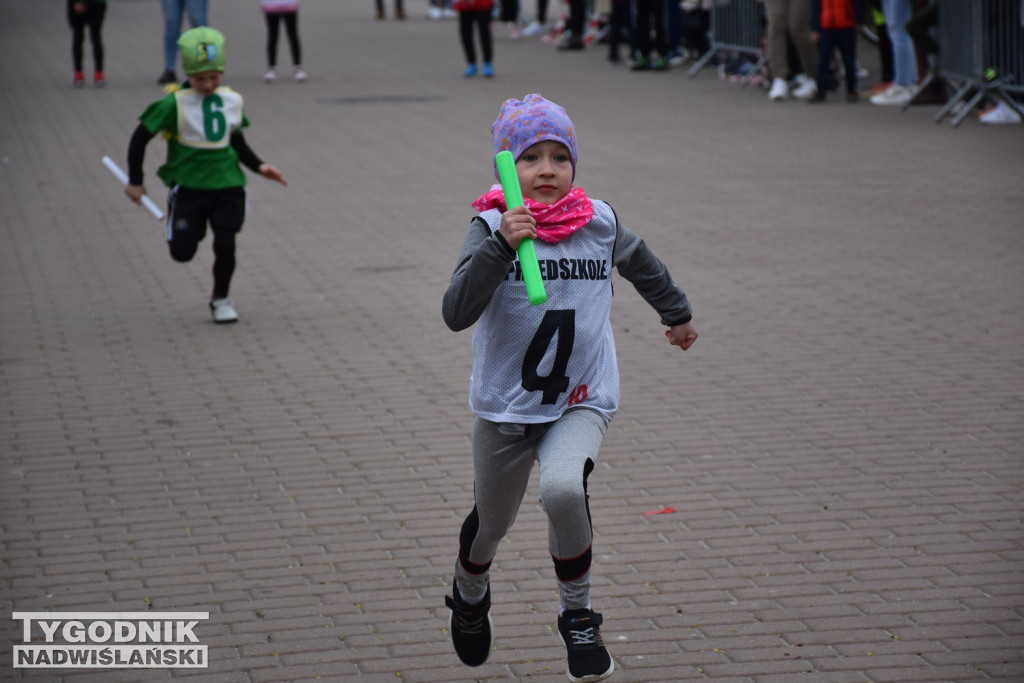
<point x="736" y="26"/>
<point x="981" y="51"/>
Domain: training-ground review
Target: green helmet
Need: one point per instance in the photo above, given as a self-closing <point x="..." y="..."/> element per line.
<point x="202" y="49"/>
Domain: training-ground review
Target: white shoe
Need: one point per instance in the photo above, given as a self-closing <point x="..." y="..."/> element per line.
<point x="806" y="89"/>
<point x="533" y="28"/>
<point x="270" y="76"/>
<point x="680" y="58"/>
<point x="434" y="13"/>
<point x="1002" y="113"/>
<point x="223" y="311"/>
<point x="448" y="13"/>
<point x="780" y="89"/>
<point x="896" y="95"/>
<point x="299" y="75"/>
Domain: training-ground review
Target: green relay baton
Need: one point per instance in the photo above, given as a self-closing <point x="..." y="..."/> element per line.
<point x="527" y="253"/>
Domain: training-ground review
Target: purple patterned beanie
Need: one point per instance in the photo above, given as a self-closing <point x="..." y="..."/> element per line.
<point x="522" y="123"/>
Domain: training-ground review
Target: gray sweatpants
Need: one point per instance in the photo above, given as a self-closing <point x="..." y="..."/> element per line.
<point x="503" y="457"/>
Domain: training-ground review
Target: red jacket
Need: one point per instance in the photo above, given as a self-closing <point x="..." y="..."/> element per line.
<point x="470" y="5"/>
<point x="836" y="14"/>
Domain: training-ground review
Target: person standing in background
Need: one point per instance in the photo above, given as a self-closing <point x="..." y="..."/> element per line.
<point x="173" y="14"/>
<point x="790" y="18"/>
<point x="399" y="10"/>
<point x="82" y="14"/>
<point x="275" y="11"/>
<point x="835" y="25"/>
<point x="476" y="13"/>
<point x="904" y="59"/>
<point x="577" y="20"/>
<point x="540" y="22"/>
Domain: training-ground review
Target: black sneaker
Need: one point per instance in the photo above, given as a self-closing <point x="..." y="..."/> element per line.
<point x="166" y="77"/>
<point x="571" y="43"/>
<point x="470" y="627"/>
<point x="589" y="661"/>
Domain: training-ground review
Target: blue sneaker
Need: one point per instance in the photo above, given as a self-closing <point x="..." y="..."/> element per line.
<point x="488" y="70"/>
<point x="470" y="71"/>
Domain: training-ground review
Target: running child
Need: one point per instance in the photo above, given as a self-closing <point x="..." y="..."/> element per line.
<point x="545" y="382"/>
<point x="203" y="125"/>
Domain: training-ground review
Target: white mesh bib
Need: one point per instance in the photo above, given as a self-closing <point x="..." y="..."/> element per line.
<point x="532" y="363"/>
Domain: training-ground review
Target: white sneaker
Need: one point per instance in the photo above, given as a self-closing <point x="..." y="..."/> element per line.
<point x="780" y="89"/>
<point x="223" y="311"/>
<point x="1002" y="113"/>
<point x="896" y="95"/>
<point x="806" y="89"/>
<point x="299" y="74"/>
<point x="533" y="28"/>
<point x="270" y="76"/>
<point x="434" y="13"/>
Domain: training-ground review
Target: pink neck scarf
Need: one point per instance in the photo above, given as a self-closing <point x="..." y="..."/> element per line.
<point x="556" y="221"/>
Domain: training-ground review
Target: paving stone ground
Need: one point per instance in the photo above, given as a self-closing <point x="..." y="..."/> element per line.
<point x="842" y="447"/>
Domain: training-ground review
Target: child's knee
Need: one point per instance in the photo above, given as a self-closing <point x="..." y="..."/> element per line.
<point x="560" y="496"/>
<point x="182" y="252"/>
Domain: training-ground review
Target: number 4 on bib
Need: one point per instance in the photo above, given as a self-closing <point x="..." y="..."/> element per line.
<point x="556" y="382"/>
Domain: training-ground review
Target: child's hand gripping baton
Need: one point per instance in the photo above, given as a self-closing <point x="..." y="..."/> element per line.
<point x="527" y="253"/>
<point x="123" y="177"/>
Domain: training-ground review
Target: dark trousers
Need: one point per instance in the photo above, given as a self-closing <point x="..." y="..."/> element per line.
<point x="846" y="40"/>
<point x="398" y="7"/>
<point x="93" y="20"/>
<point x="542" y="11"/>
<point x="189" y="212"/>
<point x="291" y="25"/>
<point x="577" y="17"/>
<point x="919" y="29"/>
<point x="884" y="46"/>
<point x="482" y="20"/>
<point x="648" y="11"/>
<point x="621" y="26"/>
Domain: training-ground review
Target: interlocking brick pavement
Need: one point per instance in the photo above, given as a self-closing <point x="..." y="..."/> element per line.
<point x="842" y="448"/>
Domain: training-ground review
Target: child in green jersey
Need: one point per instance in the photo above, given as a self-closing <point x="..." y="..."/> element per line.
<point x="203" y="126"/>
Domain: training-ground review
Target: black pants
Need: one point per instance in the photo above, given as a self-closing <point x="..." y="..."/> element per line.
<point x="188" y="213"/>
<point x="919" y="29"/>
<point x="542" y="11"/>
<point x="398" y="7"/>
<point x="846" y="40"/>
<point x="646" y="11"/>
<point x="620" y="26"/>
<point x="93" y="19"/>
<point x="577" y="17"/>
<point x="482" y="19"/>
<point x="509" y="10"/>
<point x="291" y="25"/>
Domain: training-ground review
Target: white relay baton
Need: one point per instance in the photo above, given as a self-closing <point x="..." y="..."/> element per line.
<point x="123" y="177"/>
